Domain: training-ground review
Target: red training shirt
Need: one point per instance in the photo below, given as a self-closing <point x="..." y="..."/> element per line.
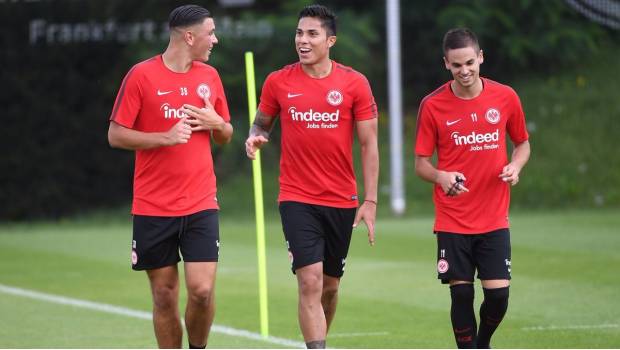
<point x="174" y="180"/>
<point x="470" y="137"/>
<point x="317" y="118"/>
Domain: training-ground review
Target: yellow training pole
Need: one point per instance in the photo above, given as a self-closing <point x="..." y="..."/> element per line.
<point x="258" y="203"/>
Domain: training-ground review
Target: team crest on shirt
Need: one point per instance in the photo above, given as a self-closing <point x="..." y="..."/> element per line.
<point x="203" y="90"/>
<point x="334" y="97"/>
<point x="442" y="266"/>
<point x="492" y="116"/>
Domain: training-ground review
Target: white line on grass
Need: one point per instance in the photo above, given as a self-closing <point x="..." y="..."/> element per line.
<point x="359" y="334"/>
<point x="561" y="328"/>
<point x="118" y="310"/>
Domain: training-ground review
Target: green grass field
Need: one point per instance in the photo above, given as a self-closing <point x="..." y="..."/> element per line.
<point x="564" y="292"/>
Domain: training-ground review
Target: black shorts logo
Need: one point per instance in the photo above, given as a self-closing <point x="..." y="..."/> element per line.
<point x="442" y="266"/>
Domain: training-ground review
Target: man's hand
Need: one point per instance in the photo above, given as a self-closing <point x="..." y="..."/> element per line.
<point x="203" y="118"/>
<point x="510" y="174"/>
<point x="179" y="133"/>
<point x="253" y="143"/>
<point x="367" y="212"/>
<point x="451" y="183"/>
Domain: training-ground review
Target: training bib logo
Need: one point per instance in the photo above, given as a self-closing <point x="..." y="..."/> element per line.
<point x="492" y="116"/>
<point x="203" y="90"/>
<point x="334" y="97"/>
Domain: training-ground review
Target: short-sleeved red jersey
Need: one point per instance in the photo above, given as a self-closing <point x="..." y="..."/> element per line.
<point x="470" y="137"/>
<point x="175" y="180"/>
<point x="317" y="119"/>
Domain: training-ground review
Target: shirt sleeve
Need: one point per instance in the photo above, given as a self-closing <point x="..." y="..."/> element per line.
<point x="426" y="132"/>
<point x="516" y="123"/>
<point x="221" y="103"/>
<point x="268" y="100"/>
<point x="364" y="106"/>
<point x="128" y="100"/>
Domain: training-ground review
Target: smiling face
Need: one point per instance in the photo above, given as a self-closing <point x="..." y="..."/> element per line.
<point x="201" y="39"/>
<point x="464" y="64"/>
<point x="312" y="41"/>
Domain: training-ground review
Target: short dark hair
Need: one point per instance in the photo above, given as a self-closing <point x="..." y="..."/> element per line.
<point x="327" y="17"/>
<point x="459" y="38"/>
<point x="187" y="15"/>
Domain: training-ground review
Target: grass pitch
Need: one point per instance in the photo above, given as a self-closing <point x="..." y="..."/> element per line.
<point x="564" y="292"/>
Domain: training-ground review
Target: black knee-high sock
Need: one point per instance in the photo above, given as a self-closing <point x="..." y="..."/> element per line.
<point x="463" y="316"/>
<point x="492" y="312"/>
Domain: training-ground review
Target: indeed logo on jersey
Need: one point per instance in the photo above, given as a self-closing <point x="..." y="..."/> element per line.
<point x="170" y="112"/>
<point x="475" y="139"/>
<point x="312" y="118"/>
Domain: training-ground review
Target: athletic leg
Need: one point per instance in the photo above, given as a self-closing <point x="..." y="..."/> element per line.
<point x="329" y="297"/>
<point x="338" y="226"/>
<point x="200" y="310"/>
<point x="311" y="314"/>
<point x="199" y="243"/>
<point x="494" y="266"/>
<point x="456" y="267"/>
<point x="492" y="312"/>
<point x="462" y="314"/>
<point x="166" y="321"/>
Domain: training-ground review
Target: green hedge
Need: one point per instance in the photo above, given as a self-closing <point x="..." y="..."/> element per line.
<point x="57" y="98"/>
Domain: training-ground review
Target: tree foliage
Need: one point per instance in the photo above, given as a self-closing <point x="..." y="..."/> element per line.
<point x="57" y="97"/>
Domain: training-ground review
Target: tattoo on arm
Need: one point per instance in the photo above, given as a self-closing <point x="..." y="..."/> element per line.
<point x="262" y="126"/>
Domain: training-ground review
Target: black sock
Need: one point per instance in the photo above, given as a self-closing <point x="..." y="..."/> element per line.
<point x="492" y="312"/>
<point x="463" y="316"/>
<point x="191" y="346"/>
<point x="316" y="344"/>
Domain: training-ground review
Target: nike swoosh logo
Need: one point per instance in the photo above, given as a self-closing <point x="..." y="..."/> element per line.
<point x="293" y="95"/>
<point x="448" y="123"/>
<point x="160" y="93"/>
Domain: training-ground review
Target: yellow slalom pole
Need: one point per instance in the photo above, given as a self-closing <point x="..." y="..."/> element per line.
<point x="258" y="203"/>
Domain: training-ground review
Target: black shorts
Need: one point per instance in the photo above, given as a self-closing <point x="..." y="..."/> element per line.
<point x="317" y="233"/>
<point x="459" y="255"/>
<point x="157" y="239"/>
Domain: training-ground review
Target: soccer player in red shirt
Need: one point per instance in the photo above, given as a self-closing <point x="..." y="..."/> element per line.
<point x="168" y="109"/>
<point x="320" y="103"/>
<point x="467" y="121"/>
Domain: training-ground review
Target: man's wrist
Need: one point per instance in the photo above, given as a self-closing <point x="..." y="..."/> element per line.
<point x="220" y="126"/>
<point x="438" y="174"/>
<point x="373" y="201"/>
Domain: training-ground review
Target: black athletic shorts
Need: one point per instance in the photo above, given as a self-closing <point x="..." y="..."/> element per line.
<point x="459" y="255"/>
<point x="317" y="233"/>
<point x="158" y="239"/>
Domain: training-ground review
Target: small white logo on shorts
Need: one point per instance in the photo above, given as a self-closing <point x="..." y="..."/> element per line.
<point x="442" y="265"/>
<point x="508" y="265"/>
<point x="344" y="262"/>
<point x="290" y="257"/>
<point x="134" y="257"/>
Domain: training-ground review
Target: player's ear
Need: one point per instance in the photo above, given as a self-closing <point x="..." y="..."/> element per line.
<point x="445" y="61"/>
<point x="331" y="40"/>
<point x="188" y="36"/>
<point x="480" y="56"/>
